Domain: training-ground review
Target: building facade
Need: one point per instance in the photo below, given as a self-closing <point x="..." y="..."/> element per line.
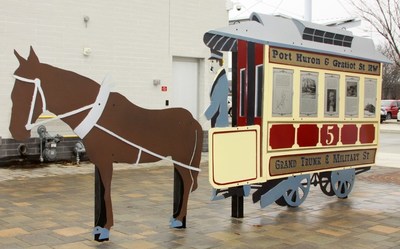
<point x="153" y="51"/>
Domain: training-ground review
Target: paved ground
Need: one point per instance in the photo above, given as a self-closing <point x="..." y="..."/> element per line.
<point x="56" y="211"/>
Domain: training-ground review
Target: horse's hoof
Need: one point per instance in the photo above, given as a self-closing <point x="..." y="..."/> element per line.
<point x="174" y="223"/>
<point x="104" y="233"/>
<point x="246" y="190"/>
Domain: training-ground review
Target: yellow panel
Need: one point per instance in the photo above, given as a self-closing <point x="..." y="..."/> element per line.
<point x="234" y="156"/>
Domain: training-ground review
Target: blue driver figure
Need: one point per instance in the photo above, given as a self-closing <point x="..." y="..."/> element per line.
<point x="218" y="109"/>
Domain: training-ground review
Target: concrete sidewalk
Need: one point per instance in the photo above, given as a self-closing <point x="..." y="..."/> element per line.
<point x="57" y="212"/>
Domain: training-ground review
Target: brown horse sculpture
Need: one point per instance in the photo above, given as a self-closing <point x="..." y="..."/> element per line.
<point x="111" y="127"/>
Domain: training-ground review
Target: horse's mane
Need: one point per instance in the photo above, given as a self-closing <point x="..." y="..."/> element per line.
<point x="68" y="75"/>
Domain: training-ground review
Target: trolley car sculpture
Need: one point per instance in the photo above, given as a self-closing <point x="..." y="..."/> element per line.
<point x="304" y="100"/>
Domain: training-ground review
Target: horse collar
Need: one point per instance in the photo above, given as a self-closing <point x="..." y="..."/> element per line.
<point x="94" y="114"/>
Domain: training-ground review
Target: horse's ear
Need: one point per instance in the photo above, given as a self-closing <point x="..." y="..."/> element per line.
<point x="19" y="57"/>
<point x="32" y="56"/>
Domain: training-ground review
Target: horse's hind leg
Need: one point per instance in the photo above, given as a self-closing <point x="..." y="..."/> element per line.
<point x="183" y="183"/>
<point x="105" y="172"/>
<point x="177" y="205"/>
<point x="185" y="179"/>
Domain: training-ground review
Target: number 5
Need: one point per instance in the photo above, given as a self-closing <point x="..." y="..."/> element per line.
<point x="329" y="134"/>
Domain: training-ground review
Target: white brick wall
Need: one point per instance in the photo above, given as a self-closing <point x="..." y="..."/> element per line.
<point x="133" y="40"/>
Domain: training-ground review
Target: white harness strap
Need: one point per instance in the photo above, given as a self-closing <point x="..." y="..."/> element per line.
<point x="94" y="114"/>
<point x="144" y="149"/>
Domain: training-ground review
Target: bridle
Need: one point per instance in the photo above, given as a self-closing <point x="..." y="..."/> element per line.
<point x="38" y="87"/>
<point x="90" y="121"/>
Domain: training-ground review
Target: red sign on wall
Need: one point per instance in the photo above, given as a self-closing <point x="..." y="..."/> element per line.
<point x="164" y="88"/>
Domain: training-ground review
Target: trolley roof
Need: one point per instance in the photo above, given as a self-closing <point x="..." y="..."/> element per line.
<point x="292" y="33"/>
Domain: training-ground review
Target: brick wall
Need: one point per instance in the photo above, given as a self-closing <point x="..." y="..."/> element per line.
<point x="10" y="151"/>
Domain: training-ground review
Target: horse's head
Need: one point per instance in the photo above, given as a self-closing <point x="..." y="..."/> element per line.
<point x="26" y="108"/>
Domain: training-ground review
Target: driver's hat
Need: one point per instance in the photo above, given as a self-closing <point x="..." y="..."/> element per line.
<point x="215" y="55"/>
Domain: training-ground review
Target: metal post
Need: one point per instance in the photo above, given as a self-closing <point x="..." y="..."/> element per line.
<point x="237" y="204"/>
<point x="100" y="218"/>
<point x="308" y="10"/>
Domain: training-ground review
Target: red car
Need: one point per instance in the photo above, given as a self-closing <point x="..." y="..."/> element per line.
<point x="391" y="106"/>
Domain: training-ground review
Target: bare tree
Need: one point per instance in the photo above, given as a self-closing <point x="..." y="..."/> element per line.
<point x="384" y="17"/>
<point x="390" y="76"/>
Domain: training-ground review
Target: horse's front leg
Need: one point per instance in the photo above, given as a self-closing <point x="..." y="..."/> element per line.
<point x="103" y="207"/>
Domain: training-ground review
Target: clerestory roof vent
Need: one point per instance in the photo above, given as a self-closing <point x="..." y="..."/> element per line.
<point x="321" y="36"/>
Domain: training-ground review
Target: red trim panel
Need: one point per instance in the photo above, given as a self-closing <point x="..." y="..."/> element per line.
<point x="349" y="134"/>
<point x="367" y="133"/>
<point x="259" y="54"/>
<point x="307" y="135"/>
<point x="282" y="136"/>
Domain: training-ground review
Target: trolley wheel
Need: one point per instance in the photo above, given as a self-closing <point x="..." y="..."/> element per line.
<point x="342" y="182"/>
<point x="297" y="192"/>
<point x="281" y="202"/>
<point x="325" y="183"/>
<point x="314" y="179"/>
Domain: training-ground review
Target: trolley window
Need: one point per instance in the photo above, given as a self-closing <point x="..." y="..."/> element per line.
<point x="308" y="96"/>
<point x="331" y="103"/>
<point x="352" y="97"/>
<point x="282" y="92"/>
<point x="242" y="91"/>
<point x="370" y="93"/>
<point x="258" y="89"/>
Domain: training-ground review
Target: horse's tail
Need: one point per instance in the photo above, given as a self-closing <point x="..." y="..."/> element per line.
<point x="196" y="155"/>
